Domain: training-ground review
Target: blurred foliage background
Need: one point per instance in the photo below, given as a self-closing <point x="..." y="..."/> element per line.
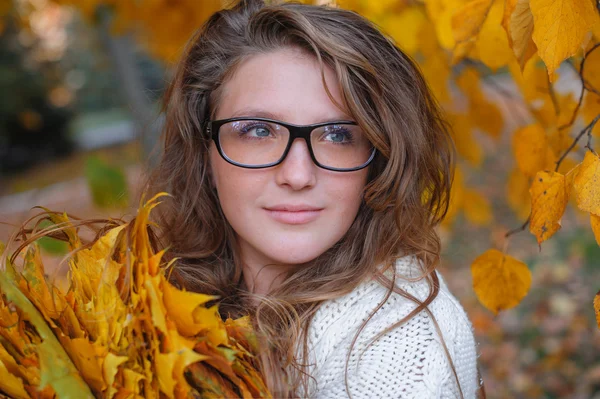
<point x="81" y="84"/>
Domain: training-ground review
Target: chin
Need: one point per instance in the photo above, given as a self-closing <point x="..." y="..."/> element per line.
<point x="295" y="256"/>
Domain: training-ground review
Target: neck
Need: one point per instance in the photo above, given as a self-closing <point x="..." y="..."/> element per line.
<point x="261" y="279"/>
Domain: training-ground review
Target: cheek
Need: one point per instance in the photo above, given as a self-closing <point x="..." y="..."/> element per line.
<point x="236" y="187"/>
<point x="346" y="194"/>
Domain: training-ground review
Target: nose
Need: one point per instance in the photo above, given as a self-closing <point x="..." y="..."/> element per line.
<point x="297" y="170"/>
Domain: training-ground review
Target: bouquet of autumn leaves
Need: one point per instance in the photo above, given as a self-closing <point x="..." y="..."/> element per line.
<point x="120" y="330"/>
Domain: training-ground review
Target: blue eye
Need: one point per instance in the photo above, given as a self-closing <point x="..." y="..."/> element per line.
<point x="260" y="130"/>
<point x="338" y="135"/>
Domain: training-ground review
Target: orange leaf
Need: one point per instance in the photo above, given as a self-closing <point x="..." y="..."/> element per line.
<point x="499" y="280"/>
<point x="11" y="384"/>
<point x="530" y="148"/>
<point x="181" y="305"/>
<point x="518" y="23"/>
<point x="549" y="198"/>
<point x="468" y="19"/>
<point x="517" y="191"/>
<point x="560" y="28"/>
<point x="587" y="184"/>
<point x="477" y="208"/>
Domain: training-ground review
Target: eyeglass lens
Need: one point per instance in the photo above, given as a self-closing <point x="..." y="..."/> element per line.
<point x="255" y="143"/>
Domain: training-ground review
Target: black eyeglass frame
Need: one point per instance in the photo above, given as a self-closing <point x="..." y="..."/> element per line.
<point x="296" y="131"/>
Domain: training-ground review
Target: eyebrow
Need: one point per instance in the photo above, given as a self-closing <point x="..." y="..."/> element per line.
<point x="255" y="112"/>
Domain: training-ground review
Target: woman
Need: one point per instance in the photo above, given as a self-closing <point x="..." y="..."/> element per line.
<point x="309" y="165"/>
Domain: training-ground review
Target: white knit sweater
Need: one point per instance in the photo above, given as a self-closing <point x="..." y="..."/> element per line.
<point x="407" y="362"/>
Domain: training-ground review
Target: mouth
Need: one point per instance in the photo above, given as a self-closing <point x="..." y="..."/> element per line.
<point x="290" y="214"/>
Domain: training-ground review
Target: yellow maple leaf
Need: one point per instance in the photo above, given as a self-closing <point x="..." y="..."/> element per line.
<point x="517" y="191"/>
<point x="587" y="184"/>
<point x="531" y="149"/>
<point x="499" y="280"/>
<point x="477" y="208"/>
<point x="518" y="23"/>
<point x="595" y="223"/>
<point x="560" y="28"/>
<point x="11" y="384"/>
<point x="549" y="198"/>
<point x="181" y="306"/>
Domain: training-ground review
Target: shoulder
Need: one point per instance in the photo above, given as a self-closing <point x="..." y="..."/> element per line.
<point x="406" y="360"/>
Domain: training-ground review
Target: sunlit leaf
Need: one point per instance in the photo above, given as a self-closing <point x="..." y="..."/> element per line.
<point x="587" y="184"/>
<point x="549" y="198"/>
<point x="530" y="148"/>
<point x="477" y="208"/>
<point x="500" y="281"/>
<point x="560" y="28"/>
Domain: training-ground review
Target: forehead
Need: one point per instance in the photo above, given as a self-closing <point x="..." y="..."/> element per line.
<point x="286" y="84"/>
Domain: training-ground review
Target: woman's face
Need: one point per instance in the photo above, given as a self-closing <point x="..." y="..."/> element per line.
<point x="285" y="85"/>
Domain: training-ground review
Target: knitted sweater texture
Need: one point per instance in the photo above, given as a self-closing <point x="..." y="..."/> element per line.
<point x="407" y="362"/>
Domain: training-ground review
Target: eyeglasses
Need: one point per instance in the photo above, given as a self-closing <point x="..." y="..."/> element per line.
<point x="261" y="143"/>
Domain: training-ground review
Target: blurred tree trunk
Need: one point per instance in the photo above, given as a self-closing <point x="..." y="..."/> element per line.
<point x="121" y="50"/>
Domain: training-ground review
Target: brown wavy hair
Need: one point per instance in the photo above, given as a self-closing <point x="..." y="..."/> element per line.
<point x="408" y="184"/>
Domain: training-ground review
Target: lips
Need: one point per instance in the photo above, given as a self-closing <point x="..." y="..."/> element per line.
<point x="293" y="214"/>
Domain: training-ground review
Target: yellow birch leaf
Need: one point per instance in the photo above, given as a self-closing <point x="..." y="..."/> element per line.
<point x="477" y="208"/>
<point x="549" y="198"/>
<point x="468" y="19"/>
<point x="440" y="13"/>
<point x="499" y="280"/>
<point x="181" y="305"/>
<point x="569" y="168"/>
<point x="436" y="66"/>
<point x="590" y="109"/>
<point x="517" y="191"/>
<point x="558" y="141"/>
<point x="11" y="384"/>
<point x="491" y="46"/>
<point x="597" y="308"/>
<point x="404" y="27"/>
<point x="462" y="134"/>
<point x="530" y="148"/>
<point x="591" y="70"/>
<point x="560" y="28"/>
<point x="595" y="223"/>
<point x="519" y="28"/>
<point x="532" y="79"/>
<point x="456" y="196"/>
<point x="486" y="116"/>
<point x="587" y="184"/>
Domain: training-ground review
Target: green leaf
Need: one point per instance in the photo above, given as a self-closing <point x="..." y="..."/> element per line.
<point x="56" y="366"/>
<point x="107" y="184"/>
<point x="52" y="245"/>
